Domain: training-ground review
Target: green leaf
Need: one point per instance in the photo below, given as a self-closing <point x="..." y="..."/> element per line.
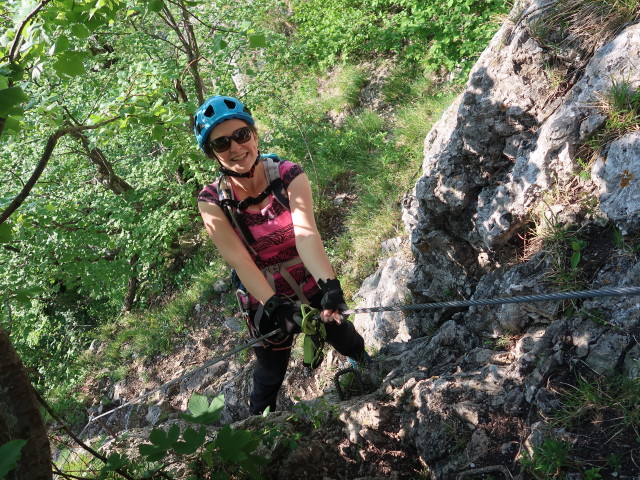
<point x="158" y="133"/>
<point x="114" y="462"/>
<point x="575" y="259"/>
<point x="159" y="437"/>
<point x="184" y="448"/>
<point x="11" y="125"/>
<point x="25" y="295"/>
<point x="173" y="434"/>
<point x="192" y="440"/>
<point x="198" y="404"/>
<point x="80" y="31"/>
<point x="156" y="5"/>
<point x="6" y="233"/>
<point x="70" y="63"/>
<point x="257" y="41"/>
<point x="9" y="455"/>
<point x="201" y="411"/>
<point x="9" y="98"/>
<point x="235" y="445"/>
<point x="153" y="453"/>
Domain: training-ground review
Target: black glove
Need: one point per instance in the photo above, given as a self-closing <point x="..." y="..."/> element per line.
<point x="332" y="296"/>
<point x="279" y="313"/>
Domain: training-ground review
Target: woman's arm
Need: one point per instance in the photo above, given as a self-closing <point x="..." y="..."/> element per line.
<point x="308" y="241"/>
<point x="234" y="251"/>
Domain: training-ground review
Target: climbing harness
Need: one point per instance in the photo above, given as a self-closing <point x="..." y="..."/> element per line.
<point x="232" y="209"/>
<point x="310" y="321"/>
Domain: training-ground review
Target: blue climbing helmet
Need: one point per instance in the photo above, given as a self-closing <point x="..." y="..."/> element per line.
<point x="216" y="110"/>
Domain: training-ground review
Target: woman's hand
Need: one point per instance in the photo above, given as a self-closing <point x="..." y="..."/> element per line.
<point x="333" y="303"/>
<point x="279" y="313"/>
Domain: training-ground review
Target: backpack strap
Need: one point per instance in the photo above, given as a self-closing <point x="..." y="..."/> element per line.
<point x="272" y="171"/>
<point x="229" y="205"/>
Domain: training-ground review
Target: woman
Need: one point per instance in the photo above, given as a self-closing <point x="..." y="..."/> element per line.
<point x="276" y="251"/>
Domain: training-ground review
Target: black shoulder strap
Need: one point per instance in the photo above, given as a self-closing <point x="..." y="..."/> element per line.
<point x="230" y="208"/>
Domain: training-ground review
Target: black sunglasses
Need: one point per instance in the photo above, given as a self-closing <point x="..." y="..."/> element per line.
<point x="222" y="144"/>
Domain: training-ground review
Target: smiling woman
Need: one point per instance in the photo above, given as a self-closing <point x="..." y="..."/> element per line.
<point x="273" y="246"/>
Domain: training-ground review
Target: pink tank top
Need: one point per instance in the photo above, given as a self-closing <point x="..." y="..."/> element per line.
<point x="272" y="229"/>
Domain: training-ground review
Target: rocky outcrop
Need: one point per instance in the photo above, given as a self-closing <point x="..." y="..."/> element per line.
<point x="475" y="388"/>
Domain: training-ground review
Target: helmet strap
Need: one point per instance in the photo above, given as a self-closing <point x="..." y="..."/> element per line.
<point x="248" y="174"/>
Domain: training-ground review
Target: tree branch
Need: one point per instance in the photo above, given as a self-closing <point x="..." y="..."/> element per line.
<point x="18" y="37"/>
<point x="105" y="174"/>
<point x="75" y="438"/>
<point x="46" y="156"/>
<point x="199" y="20"/>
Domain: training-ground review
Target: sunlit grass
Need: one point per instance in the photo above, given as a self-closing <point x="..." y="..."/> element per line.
<point x="590" y="399"/>
<point x="621" y="106"/>
<point x="341" y="90"/>
<point x="414" y="121"/>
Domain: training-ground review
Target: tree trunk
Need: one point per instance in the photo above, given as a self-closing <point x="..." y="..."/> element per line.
<point x="20" y="416"/>
<point x="132" y="287"/>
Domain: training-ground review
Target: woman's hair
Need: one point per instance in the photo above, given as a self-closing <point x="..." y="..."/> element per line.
<point x="208" y="151"/>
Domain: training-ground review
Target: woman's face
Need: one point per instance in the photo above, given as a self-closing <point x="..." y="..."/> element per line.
<point x="240" y="157"/>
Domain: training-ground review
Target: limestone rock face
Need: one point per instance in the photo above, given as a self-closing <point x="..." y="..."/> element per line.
<point x="505" y="169"/>
<point x="618" y="187"/>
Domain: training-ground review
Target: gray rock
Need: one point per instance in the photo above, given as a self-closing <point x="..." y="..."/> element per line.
<point x="618" y="179"/>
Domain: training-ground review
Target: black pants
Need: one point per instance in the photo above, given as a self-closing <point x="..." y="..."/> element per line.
<point x="272" y="364"/>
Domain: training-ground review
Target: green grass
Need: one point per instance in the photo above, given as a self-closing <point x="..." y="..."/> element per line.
<point x="548" y="460"/>
<point x="150" y="332"/>
<point x="563" y="249"/>
<point x="343" y="88"/>
<point x="621" y="106"/>
<point x="589" y="399"/>
<point x="606" y="407"/>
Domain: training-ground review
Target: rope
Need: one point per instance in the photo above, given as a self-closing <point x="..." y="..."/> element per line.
<point x="603" y="292"/>
<point x="208" y="363"/>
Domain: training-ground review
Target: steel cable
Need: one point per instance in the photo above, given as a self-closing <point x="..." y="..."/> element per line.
<point x="208" y="363"/>
<point x="543" y="297"/>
